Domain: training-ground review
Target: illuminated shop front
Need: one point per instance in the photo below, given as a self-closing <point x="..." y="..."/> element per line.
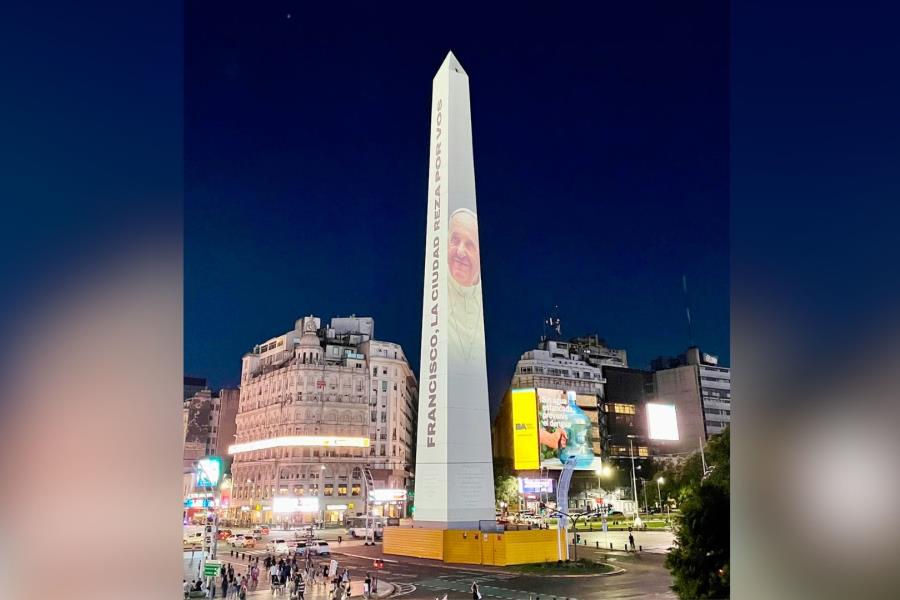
<point x="388" y="503"/>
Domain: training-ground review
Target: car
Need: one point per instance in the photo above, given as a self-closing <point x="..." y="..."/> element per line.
<point x="654" y="510"/>
<point x="260" y="531"/>
<point x="278" y="546"/>
<point x="616" y="513"/>
<point x="322" y="548"/>
<point x="300" y="549"/>
<point x="194" y="538"/>
<point x="224" y="534"/>
<point x="242" y="541"/>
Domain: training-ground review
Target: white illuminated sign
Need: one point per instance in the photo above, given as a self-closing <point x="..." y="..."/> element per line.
<point x="662" y="422"/>
<point x="287" y="504"/>
<point x="289" y="441"/>
<point x="535" y="486"/>
<point x="336" y="507"/>
<point x="387" y="495"/>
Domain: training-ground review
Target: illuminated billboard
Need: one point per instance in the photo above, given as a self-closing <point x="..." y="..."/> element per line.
<point x="525" y="430"/>
<point x="289" y="441"/>
<point x="528" y="485"/>
<point x="662" y="423"/>
<point x="209" y="471"/>
<point x="289" y="504"/>
<point x="565" y="431"/>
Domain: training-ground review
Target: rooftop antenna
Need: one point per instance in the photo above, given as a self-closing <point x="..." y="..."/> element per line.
<point x="553" y="323"/>
<point x="687" y="309"/>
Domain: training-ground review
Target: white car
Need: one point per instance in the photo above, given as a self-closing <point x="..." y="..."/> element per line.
<point x="321" y="548"/>
<point x="278" y="546"/>
<point x="194" y="538"/>
<point x="241" y="541"/>
<point x="318" y="547"/>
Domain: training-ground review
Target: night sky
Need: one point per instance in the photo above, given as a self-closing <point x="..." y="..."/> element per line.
<point x="601" y="166"/>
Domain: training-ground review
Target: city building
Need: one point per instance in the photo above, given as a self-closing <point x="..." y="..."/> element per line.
<point x="320" y="407"/>
<point x="209" y="424"/>
<point x="192" y="385"/>
<point x="713" y="385"/>
<point x="545" y="380"/>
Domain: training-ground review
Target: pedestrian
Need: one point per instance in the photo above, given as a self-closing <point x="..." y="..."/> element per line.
<point x="225" y="585"/>
<point x="631" y="541"/>
<point x="187" y="587"/>
<point x="254" y="576"/>
<point x="367" y="585"/>
<point x="340" y="539"/>
<point x="476" y="593"/>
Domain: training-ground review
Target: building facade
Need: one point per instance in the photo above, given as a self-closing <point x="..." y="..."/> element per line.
<point x="713" y="386"/>
<point x="318" y="406"/>
<point x="576" y="368"/>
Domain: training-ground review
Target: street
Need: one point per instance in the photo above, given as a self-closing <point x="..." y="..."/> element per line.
<point x="644" y="574"/>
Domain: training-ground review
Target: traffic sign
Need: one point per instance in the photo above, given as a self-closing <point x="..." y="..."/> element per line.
<point x="211" y="568"/>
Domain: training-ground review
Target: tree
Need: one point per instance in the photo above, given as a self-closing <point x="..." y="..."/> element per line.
<point x="700" y="560"/>
<point x="506" y="487"/>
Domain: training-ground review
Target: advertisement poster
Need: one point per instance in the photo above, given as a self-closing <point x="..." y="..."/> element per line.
<point x="525" y="430"/>
<point x="565" y="431"/>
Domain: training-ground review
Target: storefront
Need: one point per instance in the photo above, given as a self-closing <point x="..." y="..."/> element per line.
<point x="335" y="513"/>
<point x="389" y="503"/>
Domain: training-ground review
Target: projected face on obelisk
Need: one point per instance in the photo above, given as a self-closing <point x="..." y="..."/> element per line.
<point x="464" y="255"/>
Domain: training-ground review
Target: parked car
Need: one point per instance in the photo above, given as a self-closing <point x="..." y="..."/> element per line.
<point x="224" y="534"/>
<point x="278" y="546"/>
<point x="260" y="531"/>
<point x="616" y="513"/>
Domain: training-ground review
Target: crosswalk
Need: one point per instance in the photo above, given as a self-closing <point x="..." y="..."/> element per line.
<point x="464" y="585"/>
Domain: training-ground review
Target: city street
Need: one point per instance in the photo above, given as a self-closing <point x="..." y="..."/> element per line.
<point x="644" y="574"/>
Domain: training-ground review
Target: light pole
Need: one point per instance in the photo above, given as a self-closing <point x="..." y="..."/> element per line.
<point x="633" y="476"/>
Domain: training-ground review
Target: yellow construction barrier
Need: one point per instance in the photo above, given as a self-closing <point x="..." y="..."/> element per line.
<point x="473" y="547"/>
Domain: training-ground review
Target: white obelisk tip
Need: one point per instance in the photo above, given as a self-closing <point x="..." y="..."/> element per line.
<point x="451" y="63"/>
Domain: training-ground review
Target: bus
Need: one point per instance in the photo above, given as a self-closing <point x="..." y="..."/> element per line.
<point x="356" y="527"/>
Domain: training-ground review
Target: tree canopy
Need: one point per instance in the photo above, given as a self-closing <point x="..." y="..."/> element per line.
<point x="700" y="560"/>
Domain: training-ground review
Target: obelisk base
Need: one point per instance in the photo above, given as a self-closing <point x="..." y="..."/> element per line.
<point x="474" y="547"/>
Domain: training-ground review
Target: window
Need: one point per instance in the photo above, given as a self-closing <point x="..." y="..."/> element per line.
<point x="329" y="489"/>
<point x="622" y="409"/>
<point x="314" y="489"/>
<point x="354" y="490"/>
<point x="342" y="489"/>
<point x="384" y="385"/>
<point x="374" y="371"/>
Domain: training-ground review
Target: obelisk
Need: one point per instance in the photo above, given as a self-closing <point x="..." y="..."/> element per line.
<point x="454" y="483"/>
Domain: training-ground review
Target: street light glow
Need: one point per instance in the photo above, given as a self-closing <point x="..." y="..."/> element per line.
<point x="660" y="481"/>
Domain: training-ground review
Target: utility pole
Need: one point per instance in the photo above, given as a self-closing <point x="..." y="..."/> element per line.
<point x="633" y="477"/>
<point x="702" y="457"/>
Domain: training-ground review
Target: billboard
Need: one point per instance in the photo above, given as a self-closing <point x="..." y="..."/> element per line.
<point x="528" y="485"/>
<point x="525" y="430"/>
<point x="289" y="504"/>
<point x="209" y="471"/>
<point x="662" y="424"/>
<point x="565" y="431"/>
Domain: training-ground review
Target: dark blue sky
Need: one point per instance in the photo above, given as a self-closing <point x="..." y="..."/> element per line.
<point x="601" y="165"/>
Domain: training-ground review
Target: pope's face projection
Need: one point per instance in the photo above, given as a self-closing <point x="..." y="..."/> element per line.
<point x="464" y="256"/>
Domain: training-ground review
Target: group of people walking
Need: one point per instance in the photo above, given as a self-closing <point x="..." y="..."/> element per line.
<point x="287" y="577"/>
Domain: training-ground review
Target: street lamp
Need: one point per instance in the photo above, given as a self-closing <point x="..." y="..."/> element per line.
<point x="659" y="493"/>
<point x="633" y="476"/>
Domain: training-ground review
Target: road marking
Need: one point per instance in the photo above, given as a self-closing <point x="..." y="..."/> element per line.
<point x="402" y="589"/>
